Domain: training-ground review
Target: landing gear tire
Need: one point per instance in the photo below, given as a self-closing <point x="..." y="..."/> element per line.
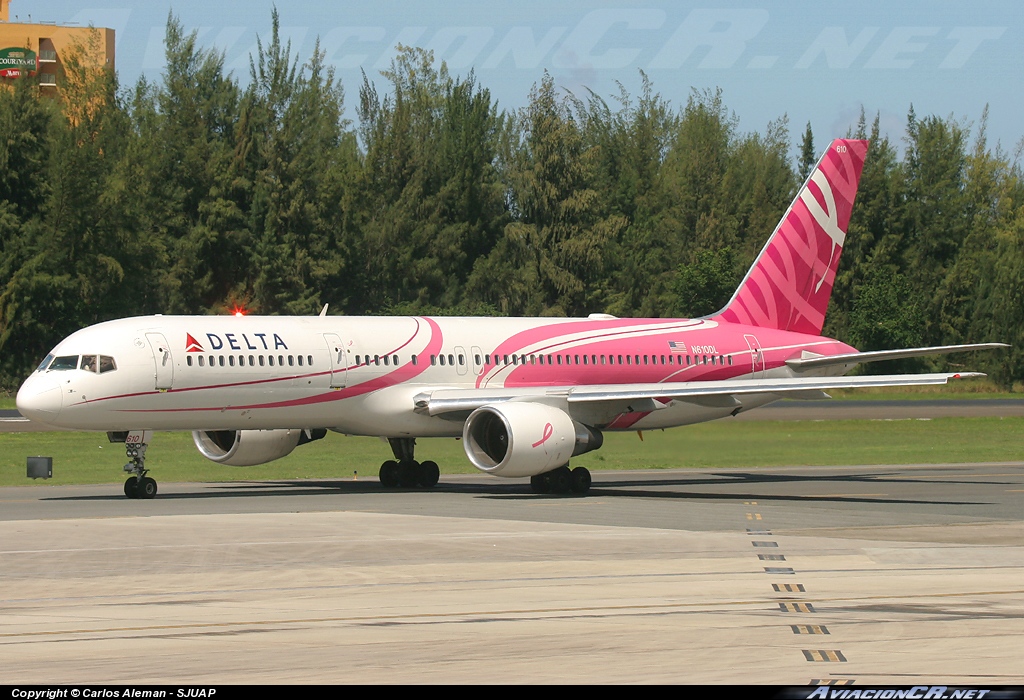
<point x="579" y="480"/>
<point x="408" y="473"/>
<point x="560" y="480"/>
<point x="540" y="483"/>
<point x="131" y="487"/>
<point x="389" y="474"/>
<point x="146" y="488"/>
<point x="429" y="475"/>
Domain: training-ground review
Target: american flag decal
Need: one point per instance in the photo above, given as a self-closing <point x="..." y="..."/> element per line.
<point x="675" y="346"/>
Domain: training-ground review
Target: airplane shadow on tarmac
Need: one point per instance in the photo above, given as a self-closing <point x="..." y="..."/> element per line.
<point x="603" y="486"/>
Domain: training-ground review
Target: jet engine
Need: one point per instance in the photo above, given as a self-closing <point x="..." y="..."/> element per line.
<point x="245" y="448"/>
<point x="524" y="439"/>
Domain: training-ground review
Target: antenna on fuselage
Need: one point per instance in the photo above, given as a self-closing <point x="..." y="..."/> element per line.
<point x="323" y="311"/>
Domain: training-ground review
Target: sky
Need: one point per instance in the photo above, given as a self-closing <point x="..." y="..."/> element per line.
<point x="812" y="61"/>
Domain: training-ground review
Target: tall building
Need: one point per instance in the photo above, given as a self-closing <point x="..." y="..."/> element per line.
<point x="41" y="48"/>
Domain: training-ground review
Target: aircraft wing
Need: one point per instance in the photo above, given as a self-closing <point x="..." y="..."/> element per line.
<point x="649" y="397"/>
<point x="812" y="361"/>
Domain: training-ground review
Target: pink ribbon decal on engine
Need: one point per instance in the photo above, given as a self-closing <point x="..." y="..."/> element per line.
<point x="549" y="430"/>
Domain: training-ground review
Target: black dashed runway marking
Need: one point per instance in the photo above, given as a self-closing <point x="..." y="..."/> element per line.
<point x="796" y="607"/>
<point x="825" y="655"/>
<point x="809" y="629"/>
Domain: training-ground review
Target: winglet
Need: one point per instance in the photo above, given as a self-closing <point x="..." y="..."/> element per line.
<point x="789" y="285"/>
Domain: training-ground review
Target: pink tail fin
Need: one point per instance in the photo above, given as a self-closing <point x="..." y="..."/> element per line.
<point x="790" y="283"/>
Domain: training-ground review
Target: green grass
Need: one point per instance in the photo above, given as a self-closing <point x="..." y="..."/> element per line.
<point x="87" y="458"/>
<point x="979" y="388"/>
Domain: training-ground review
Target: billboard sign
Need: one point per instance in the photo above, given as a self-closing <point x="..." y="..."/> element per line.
<point x="17" y="61"/>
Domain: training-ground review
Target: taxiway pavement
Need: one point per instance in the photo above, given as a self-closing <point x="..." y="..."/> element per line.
<point x="881" y="574"/>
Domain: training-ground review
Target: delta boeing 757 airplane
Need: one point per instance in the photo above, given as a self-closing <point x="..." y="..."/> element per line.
<point x="524" y="394"/>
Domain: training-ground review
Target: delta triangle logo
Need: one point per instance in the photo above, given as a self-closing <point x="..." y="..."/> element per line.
<point x="192" y="345"/>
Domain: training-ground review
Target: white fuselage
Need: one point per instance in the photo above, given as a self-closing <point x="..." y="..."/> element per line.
<point x="361" y="375"/>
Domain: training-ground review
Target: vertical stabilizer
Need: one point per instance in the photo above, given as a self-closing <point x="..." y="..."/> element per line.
<point x="790" y="283"/>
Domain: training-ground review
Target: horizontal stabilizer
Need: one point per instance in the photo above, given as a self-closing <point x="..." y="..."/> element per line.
<point x="854" y="358"/>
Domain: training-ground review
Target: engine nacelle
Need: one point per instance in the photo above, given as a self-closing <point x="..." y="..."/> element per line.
<point x="523" y="439"/>
<point x="245" y="448"/>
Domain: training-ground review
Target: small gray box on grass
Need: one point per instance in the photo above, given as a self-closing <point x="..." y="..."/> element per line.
<point x="40" y="467"/>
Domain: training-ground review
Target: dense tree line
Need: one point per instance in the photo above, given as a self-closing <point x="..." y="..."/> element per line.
<point x="198" y="194"/>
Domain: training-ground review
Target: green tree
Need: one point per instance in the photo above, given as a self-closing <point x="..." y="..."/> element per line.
<point x="294" y="140"/>
<point x="552" y="258"/>
<point x="808" y="156"/>
<point x="705" y="284"/>
<point x="433" y="195"/>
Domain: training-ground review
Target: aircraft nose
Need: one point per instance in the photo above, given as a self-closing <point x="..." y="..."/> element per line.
<point x="39" y="401"/>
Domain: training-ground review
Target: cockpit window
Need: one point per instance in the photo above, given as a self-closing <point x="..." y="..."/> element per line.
<point x="45" y="363"/>
<point x="88" y="363"/>
<point x="107" y="364"/>
<point x="65" y="362"/>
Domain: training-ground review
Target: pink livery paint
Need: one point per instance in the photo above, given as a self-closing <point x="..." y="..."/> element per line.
<point x="790" y="283"/>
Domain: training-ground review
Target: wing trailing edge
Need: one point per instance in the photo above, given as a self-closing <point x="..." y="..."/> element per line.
<point x="653" y="396"/>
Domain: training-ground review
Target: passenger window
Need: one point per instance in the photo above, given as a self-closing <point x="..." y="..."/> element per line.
<point x="300" y="360"/>
<point x="231" y="360"/>
<point x="220" y="360"/>
<point x="387" y="361"/>
<point x="291" y="360"/>
<point x="462" y="360"/>
<point x="414" y="360"/>
<point x="188" y="360"/>
<point x="107" y="364"/>
<point x="270" y="360"/>
<point x="433" y="359"/>
<point x="309" y="360"/>
<point x="262" y="360"/>
<point x="441" y="360"/>
<point x="201" y="361"/>
<point x="394" y="360"/>
<point x="451" y="359"/>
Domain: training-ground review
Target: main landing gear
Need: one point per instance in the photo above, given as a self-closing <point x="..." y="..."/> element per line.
<point x="562" y="480"/>
<point x="138" y="485"/>
<point x="404" y="471"/>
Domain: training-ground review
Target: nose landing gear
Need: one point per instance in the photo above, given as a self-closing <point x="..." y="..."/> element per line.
<point x="138" y="485"/>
